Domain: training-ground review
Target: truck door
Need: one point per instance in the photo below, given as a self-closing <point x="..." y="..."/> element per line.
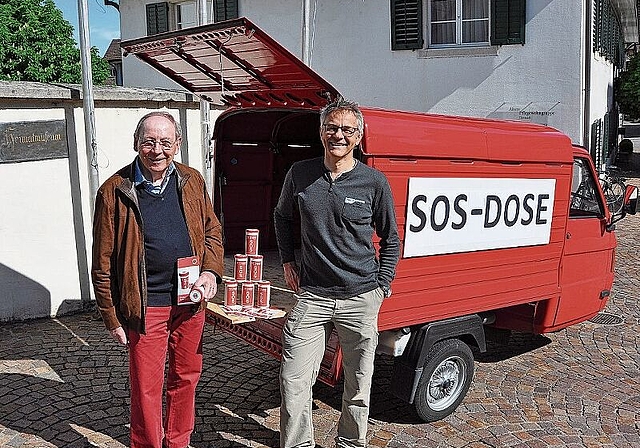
<point x="587" y="265"/>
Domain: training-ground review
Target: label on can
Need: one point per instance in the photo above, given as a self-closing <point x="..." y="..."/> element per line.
<point x="247" y="294"/>
<point x="255" y="268"/>
<point x="251" y="241"/>
<point x="264" y="295"/>
<point x="240" y="267"/>
<point x="230" y="293"/>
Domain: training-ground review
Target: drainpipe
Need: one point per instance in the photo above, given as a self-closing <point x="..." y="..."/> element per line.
<point x="586" y="118"/>
<point x="205" y="125"/>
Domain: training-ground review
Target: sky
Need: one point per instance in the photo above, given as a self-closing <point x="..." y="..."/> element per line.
<point x="104" y="22"/>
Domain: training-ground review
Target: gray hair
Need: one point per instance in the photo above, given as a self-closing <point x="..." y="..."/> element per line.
<point x="340" y="104"/>
<point x="167" y="115"/>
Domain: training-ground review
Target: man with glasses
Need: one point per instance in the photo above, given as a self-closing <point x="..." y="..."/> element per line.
<point x="340" y="281"/>
<point x="147" y="216"/>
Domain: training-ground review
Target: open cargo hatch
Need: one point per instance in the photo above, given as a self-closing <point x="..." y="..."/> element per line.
<point x="233" y="63"/>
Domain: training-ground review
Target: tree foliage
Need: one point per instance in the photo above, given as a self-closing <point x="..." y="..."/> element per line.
<point x="37" y="44"/>
<point x="627" y="89"/>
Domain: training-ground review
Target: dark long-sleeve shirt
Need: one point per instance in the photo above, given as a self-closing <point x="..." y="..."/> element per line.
<point x="337" y="220"/>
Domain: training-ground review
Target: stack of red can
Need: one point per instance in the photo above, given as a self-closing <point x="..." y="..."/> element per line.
<point x="247" y="273"/>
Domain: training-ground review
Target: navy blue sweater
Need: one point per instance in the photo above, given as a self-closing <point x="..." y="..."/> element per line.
<point x="165" y="240"/>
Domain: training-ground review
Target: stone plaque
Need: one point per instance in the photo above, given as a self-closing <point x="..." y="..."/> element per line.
<point x="33" y="140"/>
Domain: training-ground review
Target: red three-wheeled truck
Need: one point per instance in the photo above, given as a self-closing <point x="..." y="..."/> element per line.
<point x="503" y="224"/>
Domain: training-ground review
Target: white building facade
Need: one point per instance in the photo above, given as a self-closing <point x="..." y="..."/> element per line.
<point x="547" y="61"/>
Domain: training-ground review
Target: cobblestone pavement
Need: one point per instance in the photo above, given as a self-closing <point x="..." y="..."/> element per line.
<point x="63" y="383"/>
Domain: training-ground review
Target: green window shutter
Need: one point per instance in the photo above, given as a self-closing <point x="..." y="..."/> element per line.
<point x="406" y="25"/>
<point x="606" y="136"/>
<point x="225" y="9"/>
<point x="508" y="18"/>
<point x="597" y="24"/>
<point x="157" y="18"/>
<point x="596" y="142"/>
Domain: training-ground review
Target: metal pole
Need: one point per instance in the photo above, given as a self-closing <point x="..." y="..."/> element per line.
<point x="306" y="30"/>
<point x="205" y="126"/>
<point x="87" y="102"/>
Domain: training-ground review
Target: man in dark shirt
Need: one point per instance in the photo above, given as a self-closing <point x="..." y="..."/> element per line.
<point x="340" y="282"/>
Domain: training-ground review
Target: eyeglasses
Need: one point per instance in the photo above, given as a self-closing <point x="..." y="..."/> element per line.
<point x="347" y="131"/>
<point x="151" y="144"/>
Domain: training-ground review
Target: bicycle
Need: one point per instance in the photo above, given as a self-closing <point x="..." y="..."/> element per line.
<point x="613" y="187"/>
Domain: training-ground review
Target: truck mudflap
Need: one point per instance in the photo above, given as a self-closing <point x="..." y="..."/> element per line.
<point x="409" y="368"/>
<point x="265" y="335"/>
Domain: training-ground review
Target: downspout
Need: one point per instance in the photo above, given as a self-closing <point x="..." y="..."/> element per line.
<point x="586" y="117"/>
<point x="205" y="112"/>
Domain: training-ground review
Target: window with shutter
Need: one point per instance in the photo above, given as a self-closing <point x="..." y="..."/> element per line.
<point x="186" y="14"/>
<point x="406" y="25"/>
<point x="157" y="18"/>
<point x="458" y="22"/>
<point x="508" y="22"/>
<point x="225" y="9"/>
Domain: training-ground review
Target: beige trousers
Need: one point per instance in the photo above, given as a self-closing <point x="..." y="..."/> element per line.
<point x="304" y="338"/>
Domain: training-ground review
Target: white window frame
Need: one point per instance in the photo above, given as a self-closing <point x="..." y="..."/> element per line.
<point x="179" y="19"/>
<point x="458" y="23"/>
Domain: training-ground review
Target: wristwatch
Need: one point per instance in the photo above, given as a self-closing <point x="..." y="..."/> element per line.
<point x="386" y="290"/>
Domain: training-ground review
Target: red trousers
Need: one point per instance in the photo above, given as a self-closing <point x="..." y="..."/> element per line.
<point x="177" y="331"/>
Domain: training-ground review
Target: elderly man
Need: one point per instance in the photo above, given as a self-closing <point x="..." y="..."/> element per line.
<point x="147" y="216"/>
<point x="340" y="282"/>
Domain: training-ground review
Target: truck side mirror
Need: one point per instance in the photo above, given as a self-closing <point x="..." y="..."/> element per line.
<point x="629" y="206"/>
<point x="631" y="200"/>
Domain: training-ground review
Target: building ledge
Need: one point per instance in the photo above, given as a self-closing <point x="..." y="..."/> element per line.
<point x="458" y="52"/>
<point x="59" y="91"/>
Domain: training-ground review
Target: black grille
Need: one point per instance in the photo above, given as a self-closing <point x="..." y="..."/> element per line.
<point x="606" y="319"/>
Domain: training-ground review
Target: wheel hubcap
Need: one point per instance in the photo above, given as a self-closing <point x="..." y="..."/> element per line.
<point x="446" y="383"/>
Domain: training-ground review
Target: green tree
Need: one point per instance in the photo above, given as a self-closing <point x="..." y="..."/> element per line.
<point x="627" y="89"/>
<point x="37" y="44"/>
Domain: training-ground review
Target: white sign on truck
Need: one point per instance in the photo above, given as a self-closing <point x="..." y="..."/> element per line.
<point x="451" y="215"/>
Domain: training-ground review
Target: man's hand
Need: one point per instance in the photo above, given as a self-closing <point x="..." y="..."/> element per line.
<point x="119" y="335"/>
<point x="291" y="276"/>
<point x="207" y="281"/>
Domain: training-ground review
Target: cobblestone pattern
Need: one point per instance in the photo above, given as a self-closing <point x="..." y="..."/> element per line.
<point x="63" y="383"/>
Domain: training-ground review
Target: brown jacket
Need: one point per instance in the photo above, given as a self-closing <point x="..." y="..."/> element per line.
<point x="118" y="269"/>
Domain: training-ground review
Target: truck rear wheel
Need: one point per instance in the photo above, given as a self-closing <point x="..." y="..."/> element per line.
<point x="445" y="379"/>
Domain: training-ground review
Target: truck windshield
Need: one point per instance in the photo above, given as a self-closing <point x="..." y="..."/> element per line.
<point x="584" y="192"/>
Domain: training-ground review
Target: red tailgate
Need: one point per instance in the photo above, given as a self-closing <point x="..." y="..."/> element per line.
<point x="233" y="63"/>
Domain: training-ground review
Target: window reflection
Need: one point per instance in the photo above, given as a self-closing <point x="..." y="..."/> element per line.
<point x="584" y="192"/>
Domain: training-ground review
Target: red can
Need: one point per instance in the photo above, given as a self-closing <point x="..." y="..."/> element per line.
<point x="184" y="279"/>
<point x="240" y="267"/>
<point x="264" y="294"/>
<point x="230" y="293"/>
<point x="251" y="241"/>
<point x="247" y="294"/>
<point x="197" y="294"/>
<point x="255" y="268"/>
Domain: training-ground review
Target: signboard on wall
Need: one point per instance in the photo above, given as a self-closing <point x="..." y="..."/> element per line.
<point x="33" y="140"/>
<point x="539" y="112"/>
